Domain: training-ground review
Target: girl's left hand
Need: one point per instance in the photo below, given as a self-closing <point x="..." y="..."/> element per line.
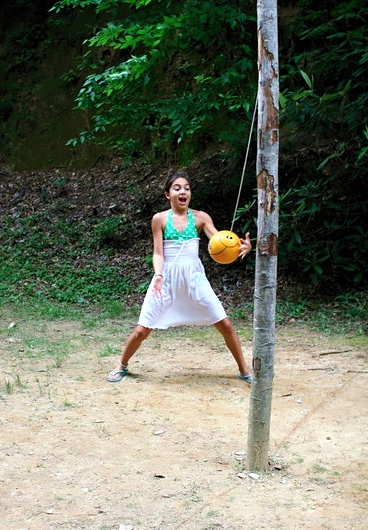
<point x="245" y="246"/>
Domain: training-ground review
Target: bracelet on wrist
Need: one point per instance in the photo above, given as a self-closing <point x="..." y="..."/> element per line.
<point x="160" y="275"/>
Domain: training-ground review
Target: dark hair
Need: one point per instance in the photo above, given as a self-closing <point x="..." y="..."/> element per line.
<point x="174" y="176"/>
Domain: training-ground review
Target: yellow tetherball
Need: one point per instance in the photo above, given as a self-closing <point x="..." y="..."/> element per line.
<point x="224" y="247"/>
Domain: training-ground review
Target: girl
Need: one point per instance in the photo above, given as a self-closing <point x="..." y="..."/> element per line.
<point x="180" y="292"/>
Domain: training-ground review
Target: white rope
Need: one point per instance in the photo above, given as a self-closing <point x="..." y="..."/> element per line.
<point x="244" y="166"/>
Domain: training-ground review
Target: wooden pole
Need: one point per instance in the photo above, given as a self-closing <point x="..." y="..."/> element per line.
<point x="267" y="237"/>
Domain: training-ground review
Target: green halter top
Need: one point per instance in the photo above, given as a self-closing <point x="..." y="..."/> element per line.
<point x="189" y="232"/>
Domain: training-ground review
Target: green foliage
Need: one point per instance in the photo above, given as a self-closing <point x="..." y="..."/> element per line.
<point x="333" y="246"/>
<point x="59" y="261"/>
<point x="320" y="238"/>
<point x="333" y="64"/>
<point x="108" y="231"/>
<point x="178" y="78"/>
<point x="324" y="203"/>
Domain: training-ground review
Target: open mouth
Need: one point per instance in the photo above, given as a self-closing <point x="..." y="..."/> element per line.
<point x="182" y="200"/>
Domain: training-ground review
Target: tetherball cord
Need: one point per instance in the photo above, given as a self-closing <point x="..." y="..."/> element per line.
<point x="244" y="166"/>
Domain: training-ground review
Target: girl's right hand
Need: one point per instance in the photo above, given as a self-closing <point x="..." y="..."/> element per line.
<point x="157" y="286"/>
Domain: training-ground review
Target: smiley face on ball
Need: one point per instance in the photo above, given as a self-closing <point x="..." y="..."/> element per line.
<point x="224" y="247"/>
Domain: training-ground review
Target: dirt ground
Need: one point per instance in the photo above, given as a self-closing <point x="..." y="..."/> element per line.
<point x="165" y="449"/>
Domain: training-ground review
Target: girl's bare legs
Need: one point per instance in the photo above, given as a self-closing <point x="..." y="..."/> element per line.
<point x="226" y="329"/>
<point x="132" y="344"/>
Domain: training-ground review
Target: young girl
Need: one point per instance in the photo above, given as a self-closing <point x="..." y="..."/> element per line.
<point x="180" y="292"/>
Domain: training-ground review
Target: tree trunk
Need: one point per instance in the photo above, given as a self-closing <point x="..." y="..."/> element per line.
<point x="267" y="237"/>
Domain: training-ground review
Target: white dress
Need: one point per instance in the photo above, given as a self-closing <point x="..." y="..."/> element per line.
<point x="187" y="296"/>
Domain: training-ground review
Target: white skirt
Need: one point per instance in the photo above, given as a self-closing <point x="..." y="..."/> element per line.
<point x="187" y="296"/>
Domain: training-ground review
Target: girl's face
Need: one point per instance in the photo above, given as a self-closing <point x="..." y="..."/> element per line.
<point x="179" y="193"/>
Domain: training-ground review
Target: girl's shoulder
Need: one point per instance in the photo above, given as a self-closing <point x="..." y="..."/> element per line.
<point x="160" y="215"/>
<point x="160" y="218"/>
<point x="200" y="216"/>
<point x="202" y="220"/>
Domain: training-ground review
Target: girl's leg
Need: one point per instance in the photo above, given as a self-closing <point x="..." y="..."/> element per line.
<point x="134" y="341"/>
<point x="232" y="342"/>
<point x="132" y="344"/>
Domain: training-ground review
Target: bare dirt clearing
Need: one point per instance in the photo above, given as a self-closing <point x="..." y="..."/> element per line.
<point x="164" y="449"/>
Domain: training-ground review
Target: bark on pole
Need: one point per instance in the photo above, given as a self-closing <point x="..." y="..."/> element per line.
<point x="267" y="237"/>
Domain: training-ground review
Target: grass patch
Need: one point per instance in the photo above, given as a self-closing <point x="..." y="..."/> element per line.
<point x="11" y="385"/>
<point x="109" y="351"/>
<point x="62" y="261"/>
<point x="345" y="314"/>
